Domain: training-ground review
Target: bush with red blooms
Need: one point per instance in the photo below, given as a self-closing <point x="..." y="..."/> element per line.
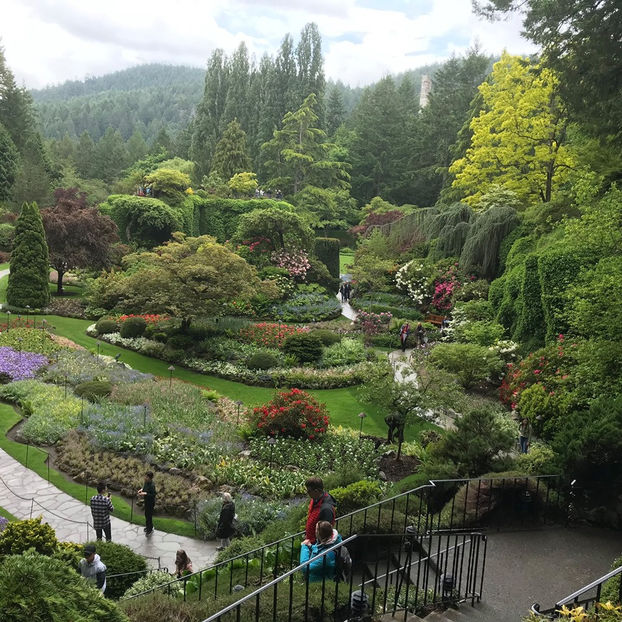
<point x="292" y="413"/>
<point x="269" y="335"/>
<point x="150" y="318"/>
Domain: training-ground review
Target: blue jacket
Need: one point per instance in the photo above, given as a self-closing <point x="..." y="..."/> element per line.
<point x="318" y="568"/>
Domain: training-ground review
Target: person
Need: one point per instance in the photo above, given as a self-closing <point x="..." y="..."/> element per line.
<point x="92" y="568"/>
<point x="524" y="435"/>
<point x="404" y="332"/>
<point x="420" y="334"/>
<point x="148" y="492"/>
<point x="225" y="528"/>
<point x="322" y="507"/>
<point x="183" y="564"/>
<point x="395" y="422"/>
<point x="348" y="287"/>
<point x="101" y="508"/>
<point x="342" y="291"/>
<point x="321" y="567"/>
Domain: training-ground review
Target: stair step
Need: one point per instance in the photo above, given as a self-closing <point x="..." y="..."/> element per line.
<point x="399" y="617"/>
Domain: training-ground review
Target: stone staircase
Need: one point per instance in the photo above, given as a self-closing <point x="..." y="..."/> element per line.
<point x="480" y="612"/>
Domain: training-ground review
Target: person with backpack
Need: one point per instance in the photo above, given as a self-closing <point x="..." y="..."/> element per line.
<point x="322" y="507"/>
<point x="324" y="566"/>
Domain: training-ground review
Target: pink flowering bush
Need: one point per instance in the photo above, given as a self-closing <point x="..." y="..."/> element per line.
<point x="372" y="323"/>
<point x="295" y="262"/>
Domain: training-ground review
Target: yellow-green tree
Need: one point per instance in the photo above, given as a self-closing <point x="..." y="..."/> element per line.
<point x="519" y="136"/>
<point x="243" y="184"/>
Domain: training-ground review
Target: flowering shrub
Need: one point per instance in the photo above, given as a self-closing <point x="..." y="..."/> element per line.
<point x="29" y="340"/>
<point x="20" y="365"/>
<point x="17" y="322"/>
<point x="372" y="323"/>
<point x="413" y="279"/>
<point x="295" y="262"/>
<point x="292" y="413"/>
<point x="150" y="318"/>
<point x="269" y="335"/>
<point x="445" y="286"/>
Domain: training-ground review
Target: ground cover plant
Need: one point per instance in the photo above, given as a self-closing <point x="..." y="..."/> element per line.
<point x="18" y="365"/>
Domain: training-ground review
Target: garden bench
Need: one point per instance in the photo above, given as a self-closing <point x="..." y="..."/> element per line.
<point x="437" y="320"/>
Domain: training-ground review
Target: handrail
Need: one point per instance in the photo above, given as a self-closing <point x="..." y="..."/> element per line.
<point x="266" y="586"/>
<point x="574" y="597"/>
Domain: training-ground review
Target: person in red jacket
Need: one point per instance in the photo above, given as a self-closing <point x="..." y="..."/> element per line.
<point x="322" y="507"/>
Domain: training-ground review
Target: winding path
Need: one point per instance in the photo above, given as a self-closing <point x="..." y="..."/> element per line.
<point x="25" y="494"/>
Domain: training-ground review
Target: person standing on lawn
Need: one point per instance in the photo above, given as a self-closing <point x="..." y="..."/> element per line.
<point x="148" y="493"/>
<point x="101" y="508"/>
<point x="322" y="507"/>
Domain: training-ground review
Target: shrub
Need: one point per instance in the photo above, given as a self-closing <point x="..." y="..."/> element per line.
<point x="539" y="460"/>
<point x="268" y="335"/>
<point x="36" y="587"/>
<point x="119" y="559"/>
<point x="292" y="413"/>
<point x="94" y="390"/>
<point x="243" y="545"/>
<point x="327" y="337"/>
<point x="611" y="589"/>
<point x="470" y="362"/>
<point x="481" y="333"/>
<point x="133" y="327"/>
<point x="180" y="342"/>
<point x="29" y="340"/>
<point x="148" y="582"/>
<point x="355" y="496"/>
<point x="262" y="360"/>
<point x="305" y="347"/>
<point x="19" y="536"/>
<point x="348" y="352"/>
<point x="106" y="326"/>
<point x="69" y="552"/>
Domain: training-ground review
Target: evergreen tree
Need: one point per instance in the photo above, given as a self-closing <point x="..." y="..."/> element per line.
<point x="33" y="179"/>
<point x="85" y="155"/>
<point x="231" y="153"/>
<point x="29" y="276"/>
<point x="335" y="111"/>
<point x="110" y="156"/>
<point x="136" y="147"/>
<point x="163" y="143"/>
<point x="237" y="103"/>
<point x="311" y="68"/>
<point x="8" y="164"/>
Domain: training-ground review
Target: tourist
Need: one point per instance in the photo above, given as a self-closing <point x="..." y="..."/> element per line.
<point x="322" y="507"/>
<point x="183" y="564"/>
<point x="404" y="332"/>
<point x="322" y="567"/>
<point x="420" y="334"/>
<point x="92" y="568"/>
<point x="148" y="492"/>
<point x="225" y="528"/>
<point x="348" y="290"/>
<point x="342" y="291"/>
<point x="101" y="507"/>
<point x="524" y="435"/>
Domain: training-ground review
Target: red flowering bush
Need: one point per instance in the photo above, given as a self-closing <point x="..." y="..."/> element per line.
<point x="269" y="335"/>
<point x="150" y="318"/>
<point x="292" y="413"/>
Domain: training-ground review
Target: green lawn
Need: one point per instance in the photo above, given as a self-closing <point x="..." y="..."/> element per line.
<point x="7" y="514"/>
<point x="345" y="259"/>
<point x="36" y="458"/>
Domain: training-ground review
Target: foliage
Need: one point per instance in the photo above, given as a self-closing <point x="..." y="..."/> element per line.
<point x="479" y="332"/>
<point x="119" y="559"/>
<point x="29" y="340"/>
<point x="372" y="323"/>
<point x="327" y="251"/>
<point x="326" y="336"/>
<point x="304" y="346"/>
<point x="470" y="362"/>
<point x="243" y="184"/>
<point x="306" y="307"/>
<point x="262" y="360"/>
<point x="36" y="587"/>
<point x="105" y="326"/>
<point x="231" y="154"/>
<point x="346" y="352"/>
<point x="20" y="365"/>
<point x="19" y="536"/>
<point x="94" y="390"/>
<point x="291" y="413"/>
<point x="9" y="159"/>
<point x="169" y="185"/>
<point x="540" y="460"/>
<point x="133" y="327"/>
<point x="148" y="582"/>
<point x="356" y="496"/>
<point x="295" y="262"/>
<point x="29" y="276"/>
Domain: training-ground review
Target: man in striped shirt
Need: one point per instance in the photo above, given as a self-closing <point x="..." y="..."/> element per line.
<point x="101" y="507"/>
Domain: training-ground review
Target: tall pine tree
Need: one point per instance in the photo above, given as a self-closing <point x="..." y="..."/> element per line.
<point x="231" y="153"/>
<point x="29" y="276"/>
<point x="8" y="164"/>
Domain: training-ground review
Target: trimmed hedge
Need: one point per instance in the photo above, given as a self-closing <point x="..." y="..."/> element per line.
<point x="327" y="251"/>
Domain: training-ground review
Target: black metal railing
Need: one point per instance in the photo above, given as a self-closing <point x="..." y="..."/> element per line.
<point x="407" y="579"/>
<point x="584" y="597"/>
<point x="441" y="505"/>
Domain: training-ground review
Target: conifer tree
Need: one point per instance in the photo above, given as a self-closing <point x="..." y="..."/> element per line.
<point x="335" y="111"/>
<point x="29" y="276"/>
<point x="8" y="164"/>
<point x="85" y="150"/>
<point x="231" y="153"/>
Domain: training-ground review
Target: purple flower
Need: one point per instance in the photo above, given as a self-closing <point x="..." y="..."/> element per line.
<point x="20" y="365"/>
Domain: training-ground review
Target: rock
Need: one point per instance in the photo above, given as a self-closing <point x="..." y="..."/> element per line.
<point x="389" y="454"/>
<point x="245" y="454"/>
<point x="382" y="476"/>
<point x="80" y="478"/>
<point x="174" y="471"/>
<point x="202" y="482"/>
<point x="226" y="488"/>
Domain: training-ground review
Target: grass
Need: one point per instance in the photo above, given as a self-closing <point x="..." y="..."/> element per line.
<point x="36" y="460"/>
<point x="70" y="290"/>
<point x="345" y="261"/>
<point x="7" y="514"/>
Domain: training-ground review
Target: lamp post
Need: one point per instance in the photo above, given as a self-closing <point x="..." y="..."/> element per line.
<point x="145" y="415"/>
<point x="27" y="314"/>
<point x="239" y="404"/>
<point x="271" y="441"/>
<point x="361" y="417"/>
<point x="98" y="345"/>
<point x="8" y="320"/>
<point x="82" y="410"/>
<point x="171" y="369"/>
<point x="43" y="332"/>
<point x="65" y="383"/>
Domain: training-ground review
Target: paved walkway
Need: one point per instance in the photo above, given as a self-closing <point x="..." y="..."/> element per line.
<point x="26" y="494"/>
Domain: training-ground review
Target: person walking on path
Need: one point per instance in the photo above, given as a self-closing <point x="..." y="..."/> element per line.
<point x="225" y="528"/>
<point x="404" y="332"/>
<point x="92" y="568"/>
<point x="322" y="507"/>
<point x="321" y="567"/>
<point x="348" y="289"/>
<point x="148" y="493"/>
<point x="524" y="435"/>
<point x="342" y="292"/>
<point x="101" y="508"/>
<point x="183" y="564"/>
<point x="420" y="334"/>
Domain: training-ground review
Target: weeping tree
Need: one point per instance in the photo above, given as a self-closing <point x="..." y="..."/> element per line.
<point x="480" y="253"/>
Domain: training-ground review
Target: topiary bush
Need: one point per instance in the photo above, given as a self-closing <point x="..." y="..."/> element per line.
<point x="133" y="327"/>
<point x="94" y="390"/>
<point x="305" y="347"/>
<point x="106" y="326"/>
<point x="292" y="413"/>
<point x="19" y="536"/>
<point x="262" y="360"/>
<point x="327" y="337"/>
<point x="355" y="496"/>
<point x="119" y="559"/>
<point x="148" y="582"/>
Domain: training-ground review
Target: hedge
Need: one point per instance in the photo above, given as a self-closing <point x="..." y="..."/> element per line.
<point x="327" y="251"/>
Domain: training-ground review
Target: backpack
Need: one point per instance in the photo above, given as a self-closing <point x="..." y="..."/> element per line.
<point x="343" y="565"/>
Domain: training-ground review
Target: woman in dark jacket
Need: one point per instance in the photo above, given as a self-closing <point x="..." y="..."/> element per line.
<point x="225" y="528"/>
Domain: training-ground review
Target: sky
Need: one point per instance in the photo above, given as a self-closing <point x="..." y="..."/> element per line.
<point x="49" y="41"/>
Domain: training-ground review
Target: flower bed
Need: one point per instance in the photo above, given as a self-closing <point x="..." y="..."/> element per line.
<point x="17" y="365"/>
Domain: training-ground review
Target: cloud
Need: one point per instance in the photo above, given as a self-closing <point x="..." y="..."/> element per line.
<point x="48" y="41"/>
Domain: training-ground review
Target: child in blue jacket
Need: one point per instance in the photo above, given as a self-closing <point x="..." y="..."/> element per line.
<point x="325" y="537"/>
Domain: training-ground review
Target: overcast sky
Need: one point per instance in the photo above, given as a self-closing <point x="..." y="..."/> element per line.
<point x="49" y="41"/>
